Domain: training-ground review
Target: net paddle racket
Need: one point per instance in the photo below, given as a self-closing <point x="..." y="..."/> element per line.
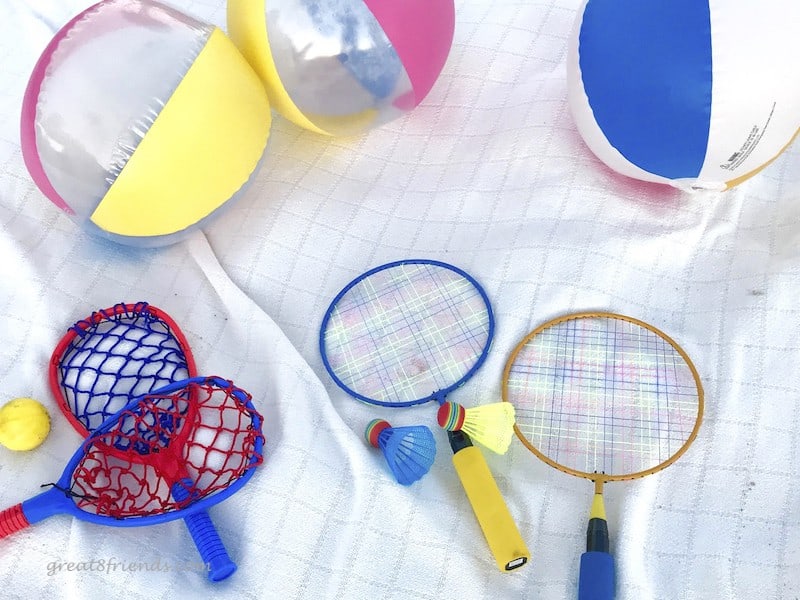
<point x="117" y="354"/>
<point x="410" y="332"/>
<point x="166" y="455"/>
<point x="114" y="355"/>
<point x="608" y="398"/>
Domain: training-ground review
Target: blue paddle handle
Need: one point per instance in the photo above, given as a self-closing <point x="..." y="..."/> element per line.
<point x="596" y="577"/>
<point x="205" y="536"/>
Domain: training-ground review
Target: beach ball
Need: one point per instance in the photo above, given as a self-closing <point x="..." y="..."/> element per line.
<point x="141" y="122"/>
<point x="341" y="67"/>
<point x="698" y="94"/>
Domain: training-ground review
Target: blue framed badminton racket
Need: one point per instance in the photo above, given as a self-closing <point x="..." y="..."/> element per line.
<point x="406" y="333"/>
<point x="410" y="332"/>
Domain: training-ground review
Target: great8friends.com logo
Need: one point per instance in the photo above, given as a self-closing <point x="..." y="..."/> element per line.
<point x="112" y="565"/>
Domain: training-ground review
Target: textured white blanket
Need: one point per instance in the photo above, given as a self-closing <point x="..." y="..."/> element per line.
<point x="489" y="174"/>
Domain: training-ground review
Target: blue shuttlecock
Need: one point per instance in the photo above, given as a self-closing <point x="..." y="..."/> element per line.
<point x="409" y="451"/>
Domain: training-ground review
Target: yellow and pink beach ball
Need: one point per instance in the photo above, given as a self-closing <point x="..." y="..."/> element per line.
<point x="142" y="122"/>
<point x="341" y="67"/>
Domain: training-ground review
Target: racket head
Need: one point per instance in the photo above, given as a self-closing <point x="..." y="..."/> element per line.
<point x="603" y="396"/>
<point x="406" y="332"/>
<point x="108" y="478"/>
<point x="114" y="355"/>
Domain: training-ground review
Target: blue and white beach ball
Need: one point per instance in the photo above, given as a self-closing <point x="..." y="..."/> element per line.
<point x="699" y="94"/>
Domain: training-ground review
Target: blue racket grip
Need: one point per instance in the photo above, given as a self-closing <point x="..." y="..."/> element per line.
<point x="207" y="540"/>
<point x="215" y="557"/>
<point x="596" y="580"/>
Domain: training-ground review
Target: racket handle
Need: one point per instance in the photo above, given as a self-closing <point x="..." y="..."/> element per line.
<point x="12" y="520"/>
<point x="498" y="526"/>
<point x="596" y="579"/>
<point x="205" y="536"/>
<point x="207" y="540"/>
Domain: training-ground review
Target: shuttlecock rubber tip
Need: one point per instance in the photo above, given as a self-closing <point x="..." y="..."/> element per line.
<point x="451" y="416"/>
<point x="374" y="429"/>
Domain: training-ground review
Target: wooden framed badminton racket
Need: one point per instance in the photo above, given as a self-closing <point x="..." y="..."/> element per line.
<point x="605" y="397"/>
<point x="410" y="332"/>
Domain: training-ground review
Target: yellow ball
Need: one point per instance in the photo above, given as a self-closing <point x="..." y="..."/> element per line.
<point x="24" y="424"/>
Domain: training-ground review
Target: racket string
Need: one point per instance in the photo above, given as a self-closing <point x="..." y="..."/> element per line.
<point x="67" y="491"/>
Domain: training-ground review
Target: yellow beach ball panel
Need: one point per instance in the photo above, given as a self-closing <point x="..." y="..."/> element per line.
<point x="247" y="26"/>
<point x="217" y="121"/>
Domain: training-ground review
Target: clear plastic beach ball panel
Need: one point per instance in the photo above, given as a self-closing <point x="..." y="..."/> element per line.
<point x="105" y="85"/>
<point x="336" y="64"/>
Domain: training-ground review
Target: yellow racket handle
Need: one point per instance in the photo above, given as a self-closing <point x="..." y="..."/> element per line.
<point x="501" y="533"/>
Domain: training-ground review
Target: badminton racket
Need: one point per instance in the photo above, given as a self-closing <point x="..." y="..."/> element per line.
<point x="164" y="456"/>
<point x="117" y="354"/>
<point x="411" y="332"/>
<point x="605" y="397"/>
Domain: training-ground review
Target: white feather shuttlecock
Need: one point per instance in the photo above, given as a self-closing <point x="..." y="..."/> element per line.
<point x="409" y="451"/>
<point x="491" y="425"/>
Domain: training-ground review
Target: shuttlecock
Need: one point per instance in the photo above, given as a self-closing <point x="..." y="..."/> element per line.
<point x="409" y="451"/>
<point x="491" y="425"/>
